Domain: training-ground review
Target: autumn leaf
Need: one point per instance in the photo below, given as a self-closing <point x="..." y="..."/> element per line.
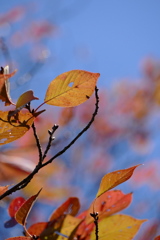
<point x="13" y="126"/>
<point x="71" y="88"/>
<point x="115" y="178"/>
<point x="14" y="205"/>
<point x="23" y="211"/>
<point x="71" y="206"/>
<point x="4" y="86"/>
<point x="25" y="98"/>
<point x="67" y="228"/>
<point x="121" y="227"/>
<point x="37" y="228"/>
<point x="108" y="203"/>
<point x="3" y="189"/>
<point x="157" y="238"/>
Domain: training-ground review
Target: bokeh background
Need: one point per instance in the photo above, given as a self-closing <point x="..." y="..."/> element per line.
<point x="118" y="39"/>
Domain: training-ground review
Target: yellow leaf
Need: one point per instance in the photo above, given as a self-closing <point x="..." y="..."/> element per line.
<point x="14" y="126"/>
<point x="25" y="98"/>
<point x="71" y="88"/>
<point x="121" y="227"/>
<point x="115" y="178"/>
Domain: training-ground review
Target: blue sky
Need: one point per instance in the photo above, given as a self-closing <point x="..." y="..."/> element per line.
<point x="109" y="37"/>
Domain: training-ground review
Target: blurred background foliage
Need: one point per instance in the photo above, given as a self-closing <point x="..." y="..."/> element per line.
<point x="119" y="40"/>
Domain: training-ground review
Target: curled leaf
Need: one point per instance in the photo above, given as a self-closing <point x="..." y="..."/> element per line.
<point x="25" y="98"/>
<point x="5" y="87"/>
<point x="15" y="205"/>
<point x="71" y="88"/>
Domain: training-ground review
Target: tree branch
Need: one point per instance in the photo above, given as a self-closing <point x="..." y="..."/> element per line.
<point x="40" y="165"/>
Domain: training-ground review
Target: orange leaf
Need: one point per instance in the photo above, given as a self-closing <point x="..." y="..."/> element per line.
<point x="108" y="203"/>
<point x="23" y="211"/>
<point x="115" y="178"/>
<point x="37" y="228"/>
<point x="15" y="126"/>
<point x="117" y="227"/>
<point x="3" y="189"/>
<point x="4" y="86"/>
<point x="71" y="88"/>
<point x="71" y="206"/>
<point x="25" y="98"/>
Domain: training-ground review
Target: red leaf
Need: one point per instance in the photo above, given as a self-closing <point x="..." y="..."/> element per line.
<point x="109" y="203"/>
<point x="71" y="206"/>
<point x="15" y="205"/>
<point x="24" y="210"/>
<point x="37" y="228"/>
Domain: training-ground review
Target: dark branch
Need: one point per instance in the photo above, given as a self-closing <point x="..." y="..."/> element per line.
<point x="40" y="165"/>
<point x="95" y="216"/>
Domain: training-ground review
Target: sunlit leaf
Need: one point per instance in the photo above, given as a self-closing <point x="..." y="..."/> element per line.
<point x="14" y="205"/>
<point x="71" y="206"/>
<point x="23" y="211"/>
<point x="121" y="227"/>
<point x="25" y="98"/>
<point x="3" y="189"/>
<point x="4" y="86"/>
<point x="71" y="88"/>
<point x="13" y="126"/>
<point x="115" y="178"/>
<point x="108" y="203"/>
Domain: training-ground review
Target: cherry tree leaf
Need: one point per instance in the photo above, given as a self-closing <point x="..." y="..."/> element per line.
<point x="37" y="228"/>
<point x="66" y="229"/>
<point x="4" y="86"/>
<point x="108" y="203"/>
<point x="157" y="238"/>
<point x="3" y="189"/>
<point x="121" y="227"/>
<point x="71" y="206"/>
<point x="15" y="205"/>
<point x="23" y="211"/>
<point x="115" y="178"/>
<point x="25" y="98"/>
<point x="71" y="88"/>
<point x="14" y="126"/>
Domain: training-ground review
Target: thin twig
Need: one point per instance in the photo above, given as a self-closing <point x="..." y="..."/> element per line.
<point x="51" y="138"/>
<point x="38" y="143"/>
<point x="26" y="180"/>
<point x="95" y="216"/>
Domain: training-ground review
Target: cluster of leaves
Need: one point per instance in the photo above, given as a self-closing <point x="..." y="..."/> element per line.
<point x="96" y="222"/>
<point x="67" y="90"/>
